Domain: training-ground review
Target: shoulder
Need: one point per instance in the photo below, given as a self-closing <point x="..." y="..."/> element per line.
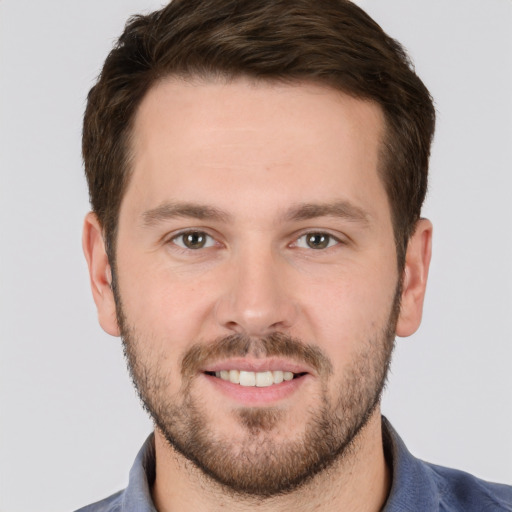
<point x="458" y="490"/>
<point x="110" y="504"/>
<point x="419" y="485"/>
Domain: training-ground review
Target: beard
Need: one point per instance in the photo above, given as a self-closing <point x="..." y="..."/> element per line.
<point x="258" y="464"/>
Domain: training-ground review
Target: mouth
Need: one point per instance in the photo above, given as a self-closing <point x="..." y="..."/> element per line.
<point x="265" y="381"/>
<point x="258" y="382"/>
<point x="259" y="379"/>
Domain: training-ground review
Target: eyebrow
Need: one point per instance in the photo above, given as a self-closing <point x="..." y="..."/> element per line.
<point x="169" y="211"/>
<point x="342" y="209"/>
<point x="305" y="211"/>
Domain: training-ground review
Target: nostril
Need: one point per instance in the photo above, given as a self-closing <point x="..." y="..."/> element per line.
<point x="233" y="326"/>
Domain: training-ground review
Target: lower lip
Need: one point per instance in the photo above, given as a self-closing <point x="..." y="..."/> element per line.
<point x="253" y="395"/>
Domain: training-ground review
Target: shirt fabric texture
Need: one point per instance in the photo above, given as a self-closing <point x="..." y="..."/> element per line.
<point x="417" y="486"/>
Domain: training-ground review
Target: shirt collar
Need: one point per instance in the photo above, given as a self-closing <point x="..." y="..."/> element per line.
<point x="412" y="486"/>
<point x="137" y="496"/>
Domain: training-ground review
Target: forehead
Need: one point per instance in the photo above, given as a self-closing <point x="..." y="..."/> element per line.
<point x="287" y="142"/>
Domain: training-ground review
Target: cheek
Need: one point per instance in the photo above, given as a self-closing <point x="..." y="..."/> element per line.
<point x="156" y="301"/>
<point x="348" y="310"/>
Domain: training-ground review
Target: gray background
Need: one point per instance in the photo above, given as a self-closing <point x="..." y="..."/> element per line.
<point x="70" y="424"/>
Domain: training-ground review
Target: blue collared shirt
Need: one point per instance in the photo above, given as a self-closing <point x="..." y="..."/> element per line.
<point x="417" y="486"/>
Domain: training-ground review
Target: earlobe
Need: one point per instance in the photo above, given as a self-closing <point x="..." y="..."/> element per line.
<point x="417" y="263"/>
<point x="100" y="274"/>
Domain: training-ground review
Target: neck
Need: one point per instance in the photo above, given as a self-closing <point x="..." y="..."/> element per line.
<point x="360" y="480"/>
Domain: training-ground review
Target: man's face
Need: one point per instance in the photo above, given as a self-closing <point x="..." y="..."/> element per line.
<point x="255" y="240"/>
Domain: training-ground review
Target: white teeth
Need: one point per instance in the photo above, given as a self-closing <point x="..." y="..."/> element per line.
<point x="258" y="379"/>
<point x="264" y="379"/>
<point x="247" y="378"/>
<point x="278" y="377"/>
<point x="234" y="376"/>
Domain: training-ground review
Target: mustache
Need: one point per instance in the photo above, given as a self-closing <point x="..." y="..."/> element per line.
<point x="240" y="345"/>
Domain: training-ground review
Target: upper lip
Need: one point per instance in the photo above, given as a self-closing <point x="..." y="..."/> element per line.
<point x="257" y="365"/>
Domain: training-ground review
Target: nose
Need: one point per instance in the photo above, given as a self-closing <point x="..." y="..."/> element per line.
<point x="257" y="297"/>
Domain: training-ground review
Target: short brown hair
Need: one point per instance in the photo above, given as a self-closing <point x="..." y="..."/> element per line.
<point x="331" y="42"/>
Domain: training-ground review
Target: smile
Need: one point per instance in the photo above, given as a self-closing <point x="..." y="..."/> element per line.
<point x="255" y="379"/>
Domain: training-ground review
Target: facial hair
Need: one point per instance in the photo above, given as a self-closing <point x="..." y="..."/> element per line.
<point x="259" y="466"/>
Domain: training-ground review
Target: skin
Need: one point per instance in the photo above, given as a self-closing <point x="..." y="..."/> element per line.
<point x="257" y="152"/>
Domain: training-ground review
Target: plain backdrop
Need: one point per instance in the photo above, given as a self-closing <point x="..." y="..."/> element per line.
<point x="70" y="423"/>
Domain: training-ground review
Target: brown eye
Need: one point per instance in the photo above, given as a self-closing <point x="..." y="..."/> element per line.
<point x="194" y="240"/>
<point x="316" y="241"/>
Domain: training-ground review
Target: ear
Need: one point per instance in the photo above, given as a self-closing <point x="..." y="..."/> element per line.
<point x="417" y="262"/>
<point x="100" y="274"/>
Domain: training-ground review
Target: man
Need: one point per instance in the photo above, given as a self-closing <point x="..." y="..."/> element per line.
<point x="256" y="173"/>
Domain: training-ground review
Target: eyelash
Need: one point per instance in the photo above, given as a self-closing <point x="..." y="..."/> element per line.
<point x="193" y="233"/>
<point x="332" y="240"/>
